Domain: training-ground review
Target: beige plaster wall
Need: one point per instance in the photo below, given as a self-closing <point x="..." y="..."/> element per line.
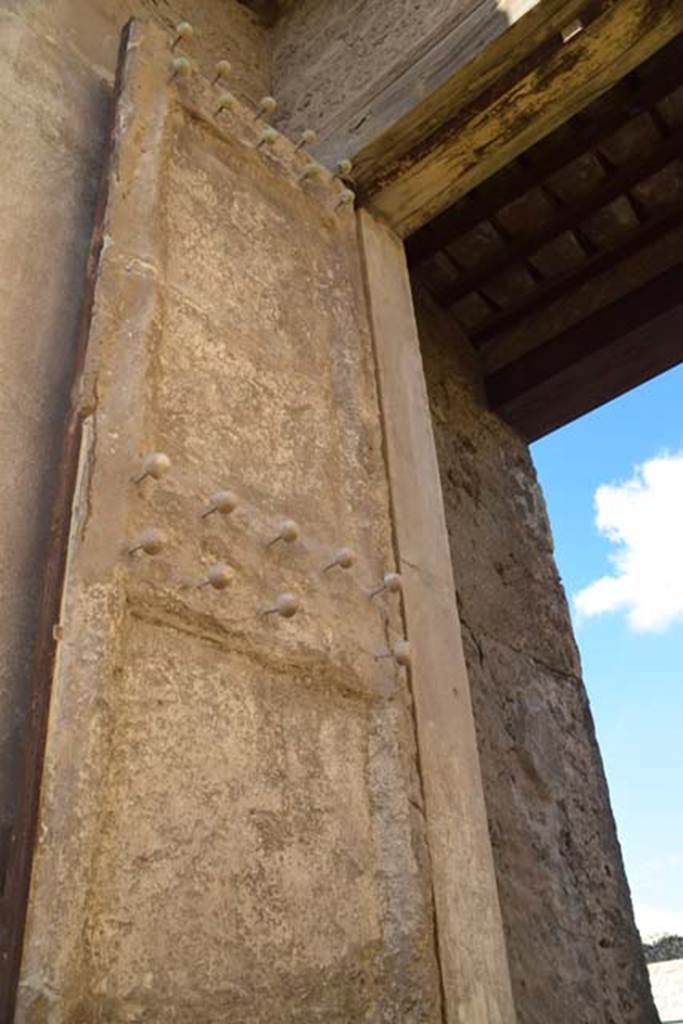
<point x="57" y="60"/>
<point x="573" y="947"/>
<point x="231" y="823"/>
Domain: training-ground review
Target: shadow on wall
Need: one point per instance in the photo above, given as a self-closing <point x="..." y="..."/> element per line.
<point x="54" y="129"/>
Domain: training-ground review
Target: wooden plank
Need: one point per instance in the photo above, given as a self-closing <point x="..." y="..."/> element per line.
<point x="629" y="102"/>
<point x="606" y="374"/>
<point x="469" y="929"/>
<point x="14" y="895"/>
<point x="615" y="349"/>
<point x="516" y="92"/>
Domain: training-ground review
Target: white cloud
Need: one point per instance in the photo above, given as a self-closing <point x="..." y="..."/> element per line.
<point x="654" y="921"/>
<point x="643" y="518"/>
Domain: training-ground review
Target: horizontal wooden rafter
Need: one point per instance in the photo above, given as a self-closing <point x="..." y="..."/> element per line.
<point x="518" y="90"/>
<point x="559" y="288"/>
<point x="610" y="371"/>
<point x="571" y="216"/>
<point x="630" y="102"/>
<point x="521" y="391"/>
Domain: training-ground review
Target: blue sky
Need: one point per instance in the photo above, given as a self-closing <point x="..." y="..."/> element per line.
<point x="633" y="655"/>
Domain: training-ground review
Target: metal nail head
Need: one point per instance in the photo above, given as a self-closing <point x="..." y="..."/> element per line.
<point x="151" y="541"/>
<point x="223" y="69"/>
<point x="268" y="138"/>
<point x="288" y="532"/>
<point x="219" y="576"/>
<point x="286" y="606"/>
<point x="308" y="137"/>
<point x="401" y="652"/>
<point x="310" y="171"/>
<point x="224" y="502"/>
<point x="266" y="107"/>
<point x="225" y="102"/>
<point x="344" y="558"/>
<point x="183" y="30"/>
<point x="348" y="198"/>
<point x="391" y="584"/>
<point x="156" y="465"/>
<point x="181" y="68"/>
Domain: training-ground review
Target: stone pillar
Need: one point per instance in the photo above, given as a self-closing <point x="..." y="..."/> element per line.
<point x="573" y="948"/>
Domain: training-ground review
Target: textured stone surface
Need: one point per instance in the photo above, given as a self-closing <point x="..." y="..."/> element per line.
<point x="57" y="60"/>
<point x="231" y="821"/>
<point x="326" y="54"/>
<point x="572" y="944"/>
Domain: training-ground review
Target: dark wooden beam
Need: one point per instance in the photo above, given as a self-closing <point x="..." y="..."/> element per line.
<point x="528" y="82"/>
<point x="569" y="217"/>
<point x="629" y="102"/>
<point x="605" y="355"/>
<point x="561" y="287"/>
<point x="612" y="371"/>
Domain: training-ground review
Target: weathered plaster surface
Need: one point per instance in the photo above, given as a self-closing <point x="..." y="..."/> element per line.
<point x="231" y="822"/>
<point x="572" y="944"/>
<point x="57" y="61"/>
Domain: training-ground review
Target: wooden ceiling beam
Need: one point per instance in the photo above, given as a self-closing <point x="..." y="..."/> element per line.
<point x="611" y="371"/>
<point x="569" y="217"/>
<point x="519" y="89"/>
<point x="629" y="103"/>
<point x="604" y="355"/>
<point x="559" y="288"/>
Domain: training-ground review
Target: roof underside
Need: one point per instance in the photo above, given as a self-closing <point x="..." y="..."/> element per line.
<point x="565" y="268"/>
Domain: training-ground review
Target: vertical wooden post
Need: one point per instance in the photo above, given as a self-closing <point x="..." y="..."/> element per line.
<point x="469" y="931"/>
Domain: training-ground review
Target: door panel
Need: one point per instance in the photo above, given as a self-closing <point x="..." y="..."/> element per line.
<point x="230" y="823"/>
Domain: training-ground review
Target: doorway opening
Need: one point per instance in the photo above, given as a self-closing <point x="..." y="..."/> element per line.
<point x="545" y="294"/>
<point x="613" y="482"/>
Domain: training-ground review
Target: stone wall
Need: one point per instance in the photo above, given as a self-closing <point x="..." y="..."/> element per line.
<point x="572" y="944"/>
<point x="57" y="60"/>
<point x="231" y="823"/>
<point x="327" y="53"/>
